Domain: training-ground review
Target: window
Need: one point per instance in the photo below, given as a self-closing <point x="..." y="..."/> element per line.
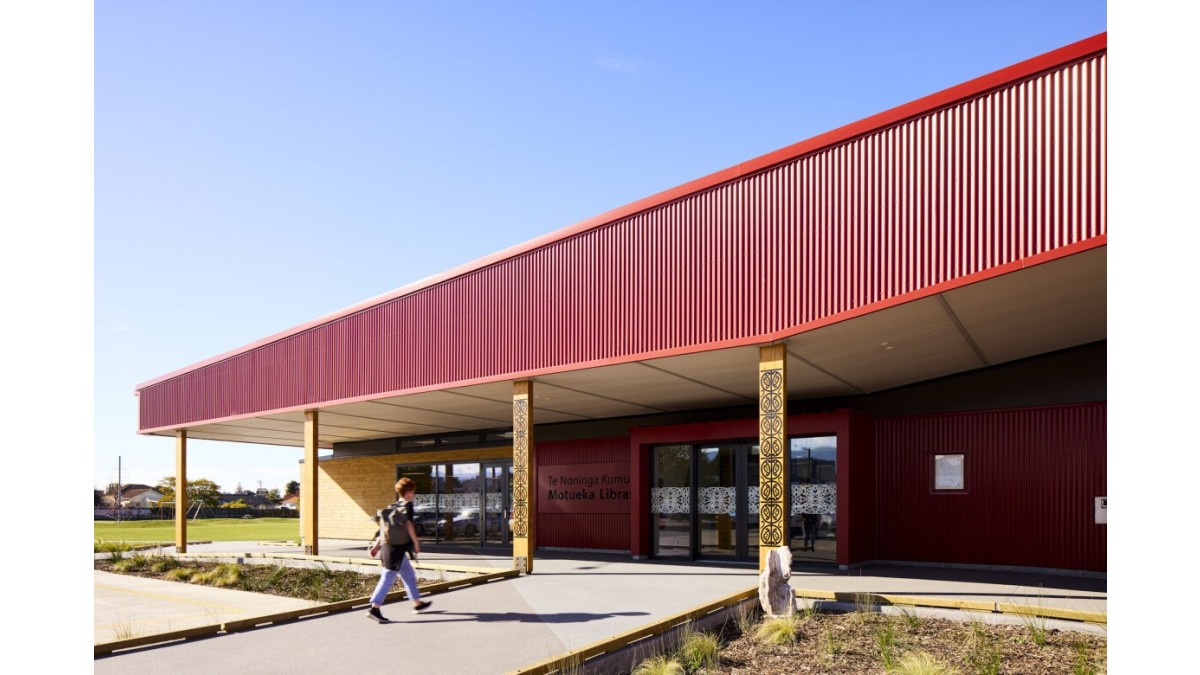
<point x="948" y="472"/>
<point x="462" y="439"/>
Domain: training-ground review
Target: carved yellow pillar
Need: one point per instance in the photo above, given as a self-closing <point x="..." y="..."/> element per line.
<point x="308" y="483"/>
<point x="524" y="488"/>
<point x="181" y="504"/>
<point x="773" y="452"/>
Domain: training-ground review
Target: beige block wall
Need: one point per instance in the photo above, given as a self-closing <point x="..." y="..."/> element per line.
<point x="350" y="489"/>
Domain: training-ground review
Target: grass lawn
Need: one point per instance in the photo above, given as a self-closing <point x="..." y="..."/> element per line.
<point x="211" y="529"/>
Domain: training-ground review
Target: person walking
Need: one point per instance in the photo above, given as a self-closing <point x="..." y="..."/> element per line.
<point x="393" y="560"/>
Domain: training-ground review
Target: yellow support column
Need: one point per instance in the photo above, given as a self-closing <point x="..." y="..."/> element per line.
<point x="308" y="483"/>
<point x="181" y="505"/>
<point x="773" y="450"/>
<point x="524" y="487"/>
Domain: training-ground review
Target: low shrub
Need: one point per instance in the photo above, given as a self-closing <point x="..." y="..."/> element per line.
<point x="162" y="563"/>
<point x="225" y="574"/>
<point x="699" y="650"/>
<point x="126" y="566"/>
<point x="659" y="665"/>
<point x="779" y="630"/>
<point x="885" y="640"/>
<point x="180" y="573"/>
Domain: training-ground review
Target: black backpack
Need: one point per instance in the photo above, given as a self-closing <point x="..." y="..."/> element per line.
<point x="393" y="520"/>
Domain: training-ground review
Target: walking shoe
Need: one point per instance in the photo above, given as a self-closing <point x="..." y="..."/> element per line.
<point x="375" y="615"/>
<point x="421" y="605"/>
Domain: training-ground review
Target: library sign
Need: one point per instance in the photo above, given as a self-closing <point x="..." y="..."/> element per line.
<point x="584" y="488"/>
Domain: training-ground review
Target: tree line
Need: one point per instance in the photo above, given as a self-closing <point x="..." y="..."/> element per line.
<point x="207" y="493"/>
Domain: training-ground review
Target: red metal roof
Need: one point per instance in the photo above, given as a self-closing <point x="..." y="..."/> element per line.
<point x="1004" y="170"/>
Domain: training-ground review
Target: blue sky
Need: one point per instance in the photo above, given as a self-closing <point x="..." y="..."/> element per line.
<point x="260" y="164"/>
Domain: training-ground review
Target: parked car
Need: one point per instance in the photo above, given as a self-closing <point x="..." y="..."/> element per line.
<point x="465" y="524"/>
<point x="424" y="519"/>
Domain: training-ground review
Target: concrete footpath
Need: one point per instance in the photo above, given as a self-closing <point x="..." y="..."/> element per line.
<point x="571" y="600"/>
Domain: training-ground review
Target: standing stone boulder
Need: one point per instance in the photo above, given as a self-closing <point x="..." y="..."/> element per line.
<point x="774" y="592"/>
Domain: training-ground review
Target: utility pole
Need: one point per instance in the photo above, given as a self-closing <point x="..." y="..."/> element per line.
<point x="117" y="499"/>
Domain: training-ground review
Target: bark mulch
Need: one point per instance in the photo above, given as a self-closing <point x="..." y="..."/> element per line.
<point x="864" y="642"/>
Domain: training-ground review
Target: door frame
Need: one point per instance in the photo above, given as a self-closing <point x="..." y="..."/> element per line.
<point x="505" y="502"/>
<point x="742" y="448"/>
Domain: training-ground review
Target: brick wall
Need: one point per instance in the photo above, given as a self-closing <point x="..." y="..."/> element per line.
<point x="350" y="490"/>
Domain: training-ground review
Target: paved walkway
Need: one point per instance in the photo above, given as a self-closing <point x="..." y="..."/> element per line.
<point x="127" y="605"/>
<point x="570" y="601"/>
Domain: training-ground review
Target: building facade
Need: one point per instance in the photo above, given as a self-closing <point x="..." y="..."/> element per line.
<point x="887" y="342"/>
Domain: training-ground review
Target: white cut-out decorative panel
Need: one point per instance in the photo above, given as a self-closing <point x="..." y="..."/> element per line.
<point x="670" y="500"/>
<point x="448" y="503"/>
<point x="717" y="500"/>
<point x="818" y="498"/>
<point x="458" y="502"/>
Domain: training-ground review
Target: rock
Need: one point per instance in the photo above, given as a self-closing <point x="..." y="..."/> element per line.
<point x="774" y="592"/>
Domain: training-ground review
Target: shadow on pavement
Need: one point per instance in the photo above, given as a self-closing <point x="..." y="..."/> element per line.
<point x="525" y="617"/>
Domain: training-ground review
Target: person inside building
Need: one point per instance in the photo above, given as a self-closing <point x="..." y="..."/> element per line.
<point x="810" y="522"/>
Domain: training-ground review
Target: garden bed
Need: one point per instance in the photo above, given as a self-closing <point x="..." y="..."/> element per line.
<point x="318" y="583"/>
<point x="871" y="642"/>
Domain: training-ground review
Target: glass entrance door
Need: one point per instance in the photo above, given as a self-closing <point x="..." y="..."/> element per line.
<point x="812" y="498"/>
<point x="701" y="501"/>
<point x="671" y="502"/>
<point x="497" y="486"/>
<point x="719" y="502"/>
<point x="464" y="503"/>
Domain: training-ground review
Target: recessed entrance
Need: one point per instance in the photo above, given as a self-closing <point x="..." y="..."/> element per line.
<point x="462" y="503"/>
<point x="700" y="501"/>
<point x="704" y="500"/>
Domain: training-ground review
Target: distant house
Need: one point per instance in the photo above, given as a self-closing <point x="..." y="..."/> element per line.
<point x="290" y="502"/>
<point x="142" y="497"/>
<point x="253" y="501"/>
<point x="132" y="495"/>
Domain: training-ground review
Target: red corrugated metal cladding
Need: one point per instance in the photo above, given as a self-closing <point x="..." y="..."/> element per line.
<point x="1004" y="175"/>
<point x="1032" y="476"/>
<point x="582" y="527"/>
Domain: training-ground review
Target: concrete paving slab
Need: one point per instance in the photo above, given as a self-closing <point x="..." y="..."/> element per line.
<point x="129" y="606"/>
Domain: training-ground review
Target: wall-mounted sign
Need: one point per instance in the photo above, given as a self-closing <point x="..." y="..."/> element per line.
<point x="1101" y="510"/>
<point x="948" y="472"/>
<point x="584" y="488"/>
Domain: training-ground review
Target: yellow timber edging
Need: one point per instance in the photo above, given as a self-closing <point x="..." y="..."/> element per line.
<point x="969" y="605"/>
<point x="577" y="657"/>
<point x="293" y="615"/>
